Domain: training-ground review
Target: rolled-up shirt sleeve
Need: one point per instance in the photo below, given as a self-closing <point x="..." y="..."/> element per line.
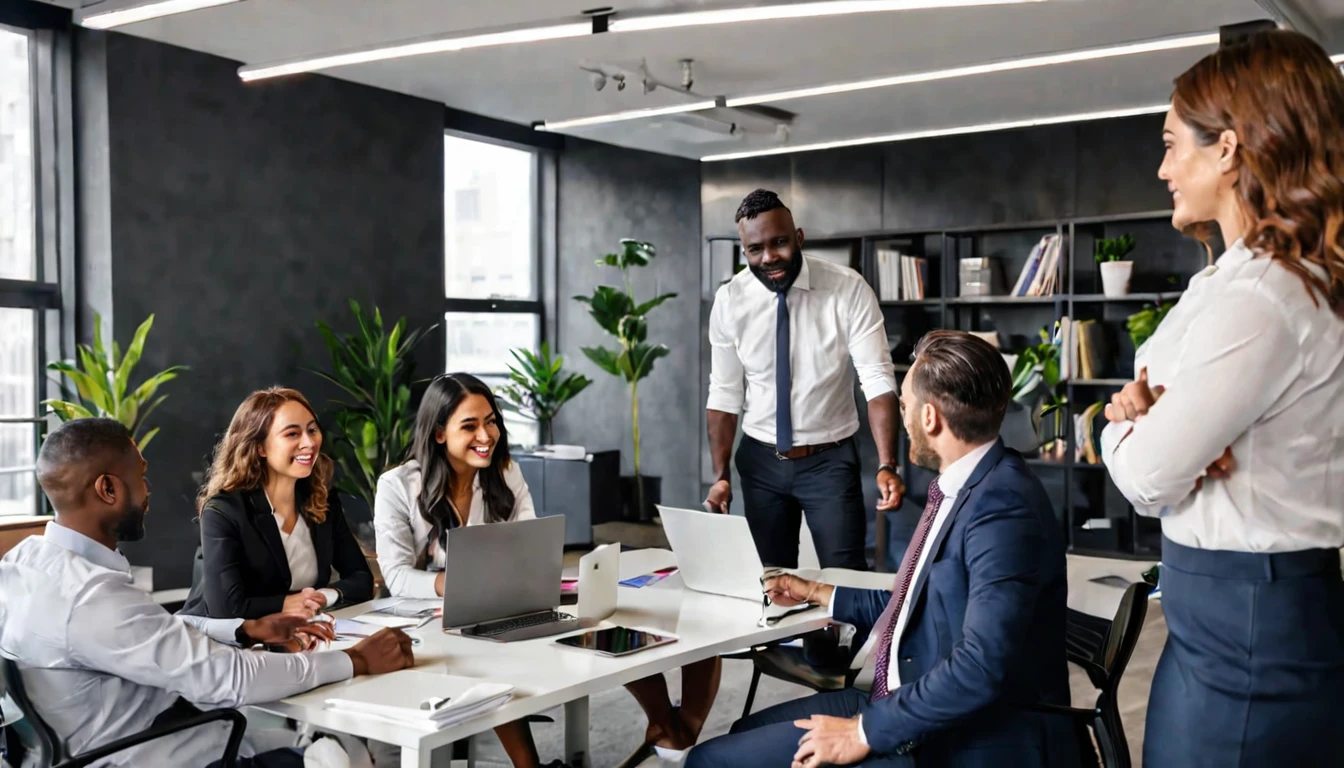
<point x="1239" y="357"/>
<point x="727" y="377"/>
<point x="868" y="343"/>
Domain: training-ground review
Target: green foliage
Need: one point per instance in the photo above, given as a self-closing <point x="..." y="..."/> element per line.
<point x="620" y="315"/>
<point x="1113" y="248"/>
<point x="537" y="390"/>
<point x="1142" y="324"/>
<point x="373" y="428"/>
<point x="1038" y="365"/>
<point x="102" y="382"/>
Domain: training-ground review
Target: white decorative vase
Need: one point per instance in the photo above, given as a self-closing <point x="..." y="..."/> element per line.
<point x="1115" y="278"/>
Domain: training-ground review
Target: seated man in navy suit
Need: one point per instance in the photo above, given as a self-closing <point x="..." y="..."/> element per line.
<point x="973" y="631"/>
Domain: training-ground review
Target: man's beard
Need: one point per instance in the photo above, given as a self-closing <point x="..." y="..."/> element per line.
<point x="131" y="525"/>
<point x="791" y="272"/>
<point x="921" y="453"/>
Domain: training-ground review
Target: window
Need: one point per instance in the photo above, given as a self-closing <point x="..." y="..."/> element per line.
<point x="491" y="269"/>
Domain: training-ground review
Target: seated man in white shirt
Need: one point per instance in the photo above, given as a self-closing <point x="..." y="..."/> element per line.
<point x="101" y="660"/>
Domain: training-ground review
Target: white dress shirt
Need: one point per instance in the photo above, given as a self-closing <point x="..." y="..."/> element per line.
<point x="1248" y="361"/>
<point x="834" y="317"/>
<point x="101" y="660"/>
<point x="403" y="533"/>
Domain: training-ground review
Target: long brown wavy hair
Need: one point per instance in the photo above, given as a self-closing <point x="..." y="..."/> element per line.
<point x="239" y="466"/>
<point x="1284" y="98"/>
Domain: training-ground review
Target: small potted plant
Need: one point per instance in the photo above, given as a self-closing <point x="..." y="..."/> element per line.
<point x="1115" y="269"/>
<point x="537" y="390"/>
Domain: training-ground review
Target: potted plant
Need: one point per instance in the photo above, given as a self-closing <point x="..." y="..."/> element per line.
<point x="373" y="428"/>
<point x="617" y="312"/>
<point x="102" y="382"/>
<point x="537" y="390"/>
<point x="1115" y="269"/>
<point x="1142" y="324"/>
<point x="1037" y="371"/>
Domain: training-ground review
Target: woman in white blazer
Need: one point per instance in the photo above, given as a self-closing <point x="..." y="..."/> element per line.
<point x="459" y="473"/>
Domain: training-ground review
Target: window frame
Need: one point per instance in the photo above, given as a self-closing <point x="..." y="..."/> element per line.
<point x="50" y="294"/>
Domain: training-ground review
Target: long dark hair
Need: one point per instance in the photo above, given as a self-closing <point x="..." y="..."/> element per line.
<point x="441" y="400"/>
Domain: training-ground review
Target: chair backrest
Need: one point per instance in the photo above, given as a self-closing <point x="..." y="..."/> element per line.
<point x="1124" y="634"/>
<point x="38" y="744"/>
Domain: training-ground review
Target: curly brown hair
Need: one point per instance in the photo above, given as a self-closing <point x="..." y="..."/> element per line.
<point x="239" y="466"/>
<point x="1284" y="98"/>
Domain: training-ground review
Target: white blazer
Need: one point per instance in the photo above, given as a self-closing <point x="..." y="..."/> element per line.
<point x="403" y="533"/>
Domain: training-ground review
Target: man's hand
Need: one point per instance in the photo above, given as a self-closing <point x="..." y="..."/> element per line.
<point x="305" y="603"/>
<point x="386" y="650"/>
<point x="1220" y="468"/>
<point x="288" y="630"/>
<point x="789" y="590"/>
<point x="890" y="490"/>
<point x="1134" y="400"/>
<point x="829" y="741"/>
<point x="720" y="497"/>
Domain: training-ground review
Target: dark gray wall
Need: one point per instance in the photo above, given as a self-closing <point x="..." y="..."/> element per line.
<point x="239" y="215"/>
<point x="604" y="194"/>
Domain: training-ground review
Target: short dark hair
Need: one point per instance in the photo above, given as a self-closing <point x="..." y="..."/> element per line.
<point x="96" y="441"/>
<point x="758" y="202"/>
<point x="967" y="378"/>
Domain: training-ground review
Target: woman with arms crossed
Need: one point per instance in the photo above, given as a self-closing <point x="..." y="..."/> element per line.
<point x="1234" y="432"/>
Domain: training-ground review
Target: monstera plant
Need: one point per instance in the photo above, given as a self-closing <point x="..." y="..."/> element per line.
<point x="373" y="427"/>
<point x="625" y="319"/>
<point x="536" y="388"/>
<point x="1037" y="370"/>
<point x="102" y="383"/>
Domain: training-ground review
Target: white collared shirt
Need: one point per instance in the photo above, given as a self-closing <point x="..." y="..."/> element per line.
<point x="301" y="556"/>
<point x="101" y="660"/>
<point x="1248" y="361"/>
<point x="403" y="533"/>
<point x="834" y="318"/>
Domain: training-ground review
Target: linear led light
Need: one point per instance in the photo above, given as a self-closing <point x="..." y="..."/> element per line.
<point x="936" y="132"/>
<point x="1065" y="57"/>
<point x="635" y="23"/>
<point x="417" y="47"/>
<point x="145" y="12"/>
<point x="616" y="117"/>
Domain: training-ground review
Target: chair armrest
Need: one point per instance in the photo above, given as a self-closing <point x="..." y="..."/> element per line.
<point x="1057" y="709"/>
<point x="239" y="723"/>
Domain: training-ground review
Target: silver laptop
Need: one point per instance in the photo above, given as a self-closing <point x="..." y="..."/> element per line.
<point x="504" y="580"/>
<point x="715" y="552"/>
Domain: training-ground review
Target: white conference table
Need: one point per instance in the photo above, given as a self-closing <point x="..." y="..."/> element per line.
<point x="546" y="675"/>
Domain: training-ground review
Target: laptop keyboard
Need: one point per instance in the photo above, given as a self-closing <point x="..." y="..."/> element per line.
<point x="504" y="626"/>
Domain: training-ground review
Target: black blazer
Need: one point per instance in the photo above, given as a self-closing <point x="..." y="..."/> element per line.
<point x="244" y="571"/>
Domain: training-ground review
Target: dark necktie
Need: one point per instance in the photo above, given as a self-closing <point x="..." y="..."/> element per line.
<point x="783" y="377"/>
<point x="887" y="622"/>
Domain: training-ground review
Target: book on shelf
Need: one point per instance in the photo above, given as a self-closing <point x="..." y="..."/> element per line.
<point x="914" y="277"/>
<point x="1081" y="348"/>
<point x="1085" y="445"/>
<point x="888" y="275"/>
<point x="1040" y="275"/>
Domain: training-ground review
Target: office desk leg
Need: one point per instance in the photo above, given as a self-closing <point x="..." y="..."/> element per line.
<point x="576" y="732"/>
<point x="438" y="758"/>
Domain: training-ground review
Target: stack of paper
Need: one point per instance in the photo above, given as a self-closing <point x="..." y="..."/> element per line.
<point x="446" y="699"/>
<point x="401" y="612"/>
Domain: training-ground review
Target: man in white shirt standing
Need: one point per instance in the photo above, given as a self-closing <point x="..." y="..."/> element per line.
<point x="783" y="333"/>
<point x="100" y="660"/>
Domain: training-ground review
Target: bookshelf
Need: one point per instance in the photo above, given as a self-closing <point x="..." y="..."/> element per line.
<point x="1097" y="519"/>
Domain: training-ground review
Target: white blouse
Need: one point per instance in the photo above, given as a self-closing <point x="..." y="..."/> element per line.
<point x="1248" y="361"/>
<point x="403" y="533"/>
<point x="301" y="556"/>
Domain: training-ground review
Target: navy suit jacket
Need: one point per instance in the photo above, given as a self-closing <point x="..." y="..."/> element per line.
<point x="985" y="633"/>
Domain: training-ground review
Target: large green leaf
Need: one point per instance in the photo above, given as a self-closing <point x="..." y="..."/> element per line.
<point x="643" y="309"/>
<point x="605" y="359"/>
<point x="642" y="356"/>
<point x="132" y="358"/>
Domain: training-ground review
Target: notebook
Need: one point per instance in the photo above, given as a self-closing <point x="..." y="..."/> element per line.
<point x="449" y="699"/>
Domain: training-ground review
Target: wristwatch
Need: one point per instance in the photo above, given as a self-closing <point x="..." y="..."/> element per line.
<point x="888" y="468"/>
<point x="241" y="637"/>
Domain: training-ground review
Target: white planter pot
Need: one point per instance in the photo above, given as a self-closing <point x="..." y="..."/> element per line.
<point x="1115" y="278"/>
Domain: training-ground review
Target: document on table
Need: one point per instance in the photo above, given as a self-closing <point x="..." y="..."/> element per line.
<point x="428" y="700"/>
<point x="401" y="612"/>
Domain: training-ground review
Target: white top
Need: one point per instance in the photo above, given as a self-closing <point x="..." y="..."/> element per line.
<point x="1248" y="361"/>
<point x="300" y="555"/>
<point x="403" y="533"/>
<point x="101" y="659"/>
<point x="834" y="317"/>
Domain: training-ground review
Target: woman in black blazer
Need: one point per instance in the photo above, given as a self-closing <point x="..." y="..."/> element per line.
<point x="272" y="528"/>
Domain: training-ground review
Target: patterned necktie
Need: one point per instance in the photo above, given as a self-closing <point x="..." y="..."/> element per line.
<point x="887" y="622"/>
<point x="783" y="377"/>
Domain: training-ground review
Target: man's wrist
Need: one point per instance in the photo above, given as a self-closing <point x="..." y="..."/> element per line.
<point x="888" y="467"/>
<point x="242" y="637"/>
<point x="358" y="662"/>
<point x="820" y="594"/>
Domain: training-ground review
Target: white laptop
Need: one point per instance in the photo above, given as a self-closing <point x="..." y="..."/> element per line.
<point x="599" y="578"/>
<point x="715" y="552"/>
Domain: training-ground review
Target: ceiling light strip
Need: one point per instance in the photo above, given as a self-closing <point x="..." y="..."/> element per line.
<point x="143" y="12"/>
<point x="937" y="132"/>
<point x="419" y="47"/>
<point x="1029" y="62"/>
<point x="804" y="10"/>
<point x="616" y="117"/>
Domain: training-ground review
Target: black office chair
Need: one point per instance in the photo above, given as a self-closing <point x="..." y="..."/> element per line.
<point x="799" y="665"/>
<point x="1103" y="653"/>
<point x="35" y="745"/>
